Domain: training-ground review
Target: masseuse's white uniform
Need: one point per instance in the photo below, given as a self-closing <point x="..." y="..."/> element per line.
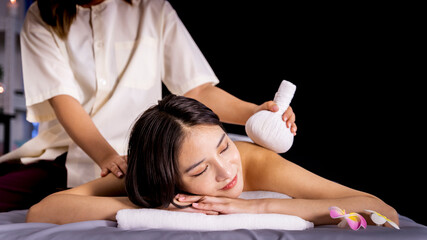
<point x="112" y="62"/>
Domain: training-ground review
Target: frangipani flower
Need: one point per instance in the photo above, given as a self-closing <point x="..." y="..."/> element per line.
<point x="381" y="219"/>
<point x="354" y="220"/>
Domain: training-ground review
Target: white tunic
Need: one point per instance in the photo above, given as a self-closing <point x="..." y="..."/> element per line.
<point x="112" y="62"/>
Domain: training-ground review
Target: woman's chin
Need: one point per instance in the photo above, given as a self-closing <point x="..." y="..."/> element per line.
<point x="235" y="192"/>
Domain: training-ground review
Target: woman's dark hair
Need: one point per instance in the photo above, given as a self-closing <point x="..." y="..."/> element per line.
<point x="153" y="178"/>
<point x="60" y="14"/>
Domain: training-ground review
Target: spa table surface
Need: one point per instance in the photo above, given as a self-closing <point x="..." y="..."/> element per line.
<point x="13" y="226"/>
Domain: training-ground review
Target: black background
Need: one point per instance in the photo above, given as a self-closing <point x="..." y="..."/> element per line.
<point x="359" y="104"/>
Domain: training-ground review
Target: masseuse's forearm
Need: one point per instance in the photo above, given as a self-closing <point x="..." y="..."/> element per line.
<point x="80" y="127"/>
<point x="317" y="210"/>
<point x="68" y="208"/>
<point x="229" y="108"/>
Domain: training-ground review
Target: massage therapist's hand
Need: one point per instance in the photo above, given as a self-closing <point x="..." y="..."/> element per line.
<point x="115" y="164"/>
<point x="288" y="116"/>
<point x="222" y="205"/>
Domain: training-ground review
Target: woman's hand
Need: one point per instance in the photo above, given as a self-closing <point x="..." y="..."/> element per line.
<point x="115" y="164"/>
<point x="80" y="127"/>
<point x="387" y="211"/>
<point x="288" y="116"/>
<point x="221" y="205"/>
<point x="186" y="205"/>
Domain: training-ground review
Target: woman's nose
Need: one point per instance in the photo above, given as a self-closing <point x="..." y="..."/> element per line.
<point x="224" y="171"/>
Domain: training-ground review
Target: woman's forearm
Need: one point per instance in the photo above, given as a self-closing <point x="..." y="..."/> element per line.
<point x="229" y="108"/>
<point x="68" y="208"/>
<point x="317" y="210"/>
<point x="81" y="128"/>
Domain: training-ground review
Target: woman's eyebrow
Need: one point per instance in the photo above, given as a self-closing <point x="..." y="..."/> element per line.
<point x="194" y="165"/>
<point x="220" y="141"/>
<point x="198" y="163"/>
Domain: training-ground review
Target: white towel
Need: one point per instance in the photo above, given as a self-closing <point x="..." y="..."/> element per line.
<point x="155" y="218"/>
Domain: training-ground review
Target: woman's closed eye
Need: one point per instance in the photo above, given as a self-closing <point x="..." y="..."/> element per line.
<point x="207" y="166"/>
<point x="226" y="148"/>
<point x="200" y="173"/>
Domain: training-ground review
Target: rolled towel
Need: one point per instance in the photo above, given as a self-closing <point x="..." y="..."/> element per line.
<point x="155" y="218"/>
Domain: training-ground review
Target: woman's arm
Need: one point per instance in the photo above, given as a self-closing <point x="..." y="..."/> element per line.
<point x="233" y="110"/>
<point x="268" y="171"/>
<point x="314" y="210"/>
<point x="313" y="195"/>
<point x="229" y="108"/>
<point x="86" y="135"/>
<point x="99" y="199"/>
<point x="95" y="200"/>
<point x="317" y="210"/>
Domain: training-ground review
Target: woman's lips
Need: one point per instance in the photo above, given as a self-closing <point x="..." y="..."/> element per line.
<point x="231" y="184"/>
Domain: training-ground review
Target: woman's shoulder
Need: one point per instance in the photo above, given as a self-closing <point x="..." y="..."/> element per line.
<point x="33" y="13"/>
<point x="262" y="168"/>
<point x="33" y="21"/>
<point x="252" y="152"/>
<point x="255" y="161"/>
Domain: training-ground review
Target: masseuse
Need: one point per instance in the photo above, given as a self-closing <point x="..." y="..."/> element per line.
<point x="90" y="68"/>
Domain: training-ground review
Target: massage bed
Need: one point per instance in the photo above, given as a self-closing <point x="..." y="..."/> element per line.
<point x="13" y="226"/>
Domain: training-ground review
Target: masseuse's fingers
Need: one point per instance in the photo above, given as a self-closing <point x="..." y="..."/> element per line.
<point x="109" y="167"/>
<point x="289" y="117"/>
<point x="122" y="163"/>
<point x="104" y="172"/>
<point x="294" y="129"/>
<point x="116" y="165"/>
<point x="269" y="105"/>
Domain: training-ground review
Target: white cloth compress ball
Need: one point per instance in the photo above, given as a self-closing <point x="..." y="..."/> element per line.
<point x="267" y="128"/>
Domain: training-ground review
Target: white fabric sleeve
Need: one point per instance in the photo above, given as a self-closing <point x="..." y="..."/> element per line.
<point x="46" y="71"/>
<point x="184" y="66"/>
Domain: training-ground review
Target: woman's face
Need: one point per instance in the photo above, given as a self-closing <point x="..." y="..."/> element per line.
<point x="210" y="163"/>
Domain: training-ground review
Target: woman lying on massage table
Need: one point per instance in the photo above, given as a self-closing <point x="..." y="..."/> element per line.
<point x="180" y="158"/>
